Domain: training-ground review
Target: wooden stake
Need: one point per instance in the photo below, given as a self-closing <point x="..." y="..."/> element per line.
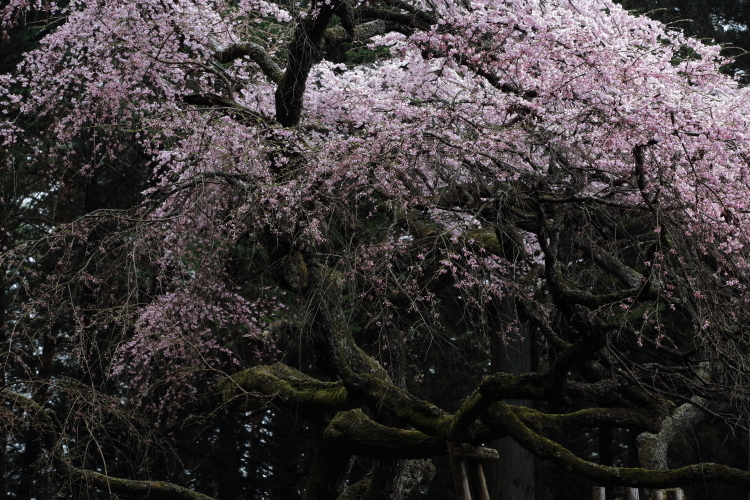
<point x="599" y="493"/>
<point x="480" y="490"/>
<point x="468" y="476"/>
<point x="460" y="475"/>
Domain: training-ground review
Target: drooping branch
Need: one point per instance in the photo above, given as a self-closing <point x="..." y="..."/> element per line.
<point x="92" y="478"/>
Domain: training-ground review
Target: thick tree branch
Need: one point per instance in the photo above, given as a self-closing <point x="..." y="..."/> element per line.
<point x="421" y="14"/>
<point x="330" y="468"/>
<point x="556" y="425"/>
<point x="616" y="476"/>
<point x="409" y="20"/>
<point x="359" y="435"/>
<point x="257" y="53"/>
<point x="362" y="32"/>
<point x="132" y="486"/>
<point x="287" y="388"/>
<point x="243" y="114"/>
<point x="304" y="52"/>
<point x="612" y="264"/>
<point x="570" y="357"/>
<point x="346" y="357"/>
<point x="652" y="447"/>
<point x="564" y="291"/>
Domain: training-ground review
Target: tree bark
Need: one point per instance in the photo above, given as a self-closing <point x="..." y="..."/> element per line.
<point x="606" y="454"/>
<point x="633" y="460"/>
<point x="3" y="443"/>
<point x="652" y="448"/>
<point x="33" y="449"/>
<point x="327" y="477"/>
<point x="229" y="487"/>
<point x="398" y="479"/>
<point x="512" y="476"/>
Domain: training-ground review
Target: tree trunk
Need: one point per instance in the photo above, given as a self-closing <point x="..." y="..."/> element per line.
<point x="228" y="475"/>
<point x="327" y="477"/>
<point x="633" y="460"/>
<point x="398" y="479"/>
<point x="3" y="341"/>
<point x="606" y="454"/>
<point x="33" y="449"/>
<point x="512" y="476"/>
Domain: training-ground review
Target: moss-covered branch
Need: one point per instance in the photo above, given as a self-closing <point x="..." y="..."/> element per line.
<point x="555" y="425"/>
<point x="358" y="434"/>
<point x="547" y="449"/>
<point x="286" y="388"/>
<point x="132" y="486"/>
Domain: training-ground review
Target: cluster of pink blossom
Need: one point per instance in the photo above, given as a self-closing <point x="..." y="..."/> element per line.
<point x="495" y="90"/>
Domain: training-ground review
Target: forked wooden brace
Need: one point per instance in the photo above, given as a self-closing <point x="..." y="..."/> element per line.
<point x="466" y="463"/>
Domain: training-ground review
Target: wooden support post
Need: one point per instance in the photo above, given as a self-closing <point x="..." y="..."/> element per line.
<point x="468" y="476"/>
<point x="460" y="476"/>
<point x="657" y="495"/>
<point x="631" y="494"/>
<point x="480" y="491"/>
<point x="599" y="493"/>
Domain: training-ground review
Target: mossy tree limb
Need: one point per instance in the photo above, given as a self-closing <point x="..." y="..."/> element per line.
<point x="287" y="388"/>
<point x="547" y="449"/>
<point x="358" y="434"/>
